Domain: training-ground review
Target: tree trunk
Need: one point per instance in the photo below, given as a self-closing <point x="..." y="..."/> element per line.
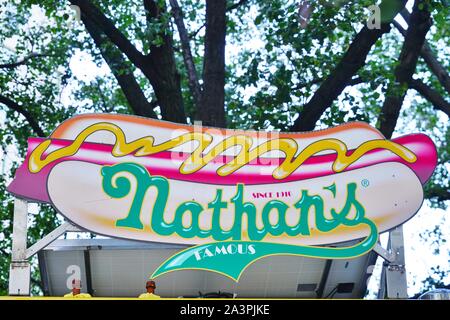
<point x="194" y="85"/>
<point x="212" y="111"/>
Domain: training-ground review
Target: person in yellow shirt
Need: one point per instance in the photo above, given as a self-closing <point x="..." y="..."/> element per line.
<point x="150" y="294"/>
<point x="76" y="291"/>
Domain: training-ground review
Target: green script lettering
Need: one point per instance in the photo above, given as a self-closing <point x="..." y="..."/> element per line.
<point x="116" y="185"/>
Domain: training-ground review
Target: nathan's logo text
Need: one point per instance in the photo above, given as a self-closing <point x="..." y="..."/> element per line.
<point x="116" y="185"/>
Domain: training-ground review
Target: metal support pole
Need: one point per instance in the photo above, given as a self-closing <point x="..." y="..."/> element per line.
<point x="396" y="283"/>
<point x="382" y="252"/>
<point x="19" y="271"/>
<point x="393" y="283"/>
<point x="49" y="238"/>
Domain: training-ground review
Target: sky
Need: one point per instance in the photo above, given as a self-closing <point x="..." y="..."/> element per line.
<point x="419" y="257"/>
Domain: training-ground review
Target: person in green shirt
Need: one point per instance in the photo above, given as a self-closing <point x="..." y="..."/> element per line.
<point x="76" y="291"/>
<point x="150" y="294"/>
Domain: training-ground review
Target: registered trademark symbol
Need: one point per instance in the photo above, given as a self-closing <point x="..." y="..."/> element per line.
<point x="365" y="183"/>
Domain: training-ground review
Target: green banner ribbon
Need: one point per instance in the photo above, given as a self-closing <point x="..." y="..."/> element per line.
<point x="231" y="258"/>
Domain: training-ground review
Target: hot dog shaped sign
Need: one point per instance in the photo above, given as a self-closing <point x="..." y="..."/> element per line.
<point x="237" y="196"/>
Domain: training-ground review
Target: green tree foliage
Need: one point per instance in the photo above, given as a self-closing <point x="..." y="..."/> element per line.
<point x="278" y="60"/>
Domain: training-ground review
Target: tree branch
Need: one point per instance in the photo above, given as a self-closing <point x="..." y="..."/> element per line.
<point x="332" y="87"/>
<point x="230" y="8"/>
<point x="430" y="59"/>
<point x="194" y="84"/>
<point x="91" y="12"/>
<point x="211" y="111"/>
<point x="352" y="82"/>
<point x="440" y="195"/>
<point x="160" y="67"/>
<point x="305" y="9"/>
<point x="28" y="116"/>
<point x="236" y="5"/>
<point x="405" y="14"/>
<point x="3" y="251"/>
<point x="21" y="62"/>
<point x="420" y="23"/>
<point x="431" y="95"/>
<point x="123" y="73"/>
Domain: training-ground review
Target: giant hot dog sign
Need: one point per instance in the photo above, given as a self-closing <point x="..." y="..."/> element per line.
<point x="236" y="196"/>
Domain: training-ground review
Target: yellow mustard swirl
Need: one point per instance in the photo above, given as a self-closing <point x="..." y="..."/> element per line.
<point x="197" y="160"/>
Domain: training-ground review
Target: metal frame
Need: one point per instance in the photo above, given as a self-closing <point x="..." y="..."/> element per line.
<point x="43" y="271"/>
<point x="20" y="268"/>
<point x="323" y="282"/>
<point x="49" y="238"/>
<point x="393" y="282"/>
<point x="87" y="269"/>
